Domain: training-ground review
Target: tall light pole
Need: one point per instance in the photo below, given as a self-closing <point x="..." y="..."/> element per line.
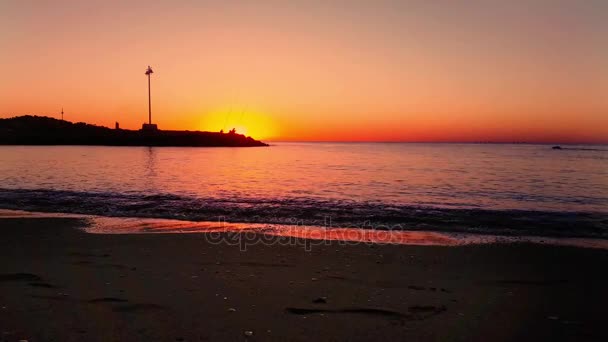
<point x="148" y="72"/>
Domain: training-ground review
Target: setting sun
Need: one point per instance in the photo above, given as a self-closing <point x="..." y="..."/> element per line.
<point x="246" y="121"/>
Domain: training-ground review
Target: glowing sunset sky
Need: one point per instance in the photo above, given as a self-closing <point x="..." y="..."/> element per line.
<point x="315" y="70"/>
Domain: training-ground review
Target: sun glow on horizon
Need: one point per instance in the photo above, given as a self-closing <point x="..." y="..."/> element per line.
<point x="247" y="122"/>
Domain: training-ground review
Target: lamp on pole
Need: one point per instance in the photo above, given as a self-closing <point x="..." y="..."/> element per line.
<point x="148" y="72"/>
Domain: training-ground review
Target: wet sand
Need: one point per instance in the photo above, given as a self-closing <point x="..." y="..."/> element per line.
<point x="58" y="283"/>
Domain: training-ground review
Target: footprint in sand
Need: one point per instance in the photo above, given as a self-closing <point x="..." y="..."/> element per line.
<point x="91" y="255"/>
<point x="426" y="309"/>
<point x="108" y="300"/>
<point x="139" y="308"/>
<point x="33" y="280"/>
<point x="59" y="297"/>
<point x="42" y="285"/>
<point x="415" y="313"/>
<point x="128" y="308"/>
<point x="8" y="277"/>
<point x="365" y="311"/>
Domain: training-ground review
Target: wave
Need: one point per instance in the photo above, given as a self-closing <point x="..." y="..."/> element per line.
<point x="310" y="212"/>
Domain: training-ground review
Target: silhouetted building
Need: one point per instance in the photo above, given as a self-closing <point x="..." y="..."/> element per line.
<point x="148" y="127"/>
<point x="117" y="126"/>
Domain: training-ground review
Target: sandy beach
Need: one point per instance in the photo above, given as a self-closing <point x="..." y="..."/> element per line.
<point x="61" y="284"/>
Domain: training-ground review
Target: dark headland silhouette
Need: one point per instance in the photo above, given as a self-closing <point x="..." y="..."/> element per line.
<point x="39" y="130"/>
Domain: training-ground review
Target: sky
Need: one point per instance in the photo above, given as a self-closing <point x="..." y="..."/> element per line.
<point x="352" y="70"/>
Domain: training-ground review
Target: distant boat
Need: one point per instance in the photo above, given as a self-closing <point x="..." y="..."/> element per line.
<point x="557" y="147"/>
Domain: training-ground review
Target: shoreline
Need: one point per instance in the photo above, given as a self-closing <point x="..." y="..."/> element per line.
<point x="332" y="213"/>
<point x="60" y="283"/>
<point x="250" y="232"/>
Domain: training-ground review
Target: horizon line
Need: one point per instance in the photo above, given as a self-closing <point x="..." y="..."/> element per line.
<point x="434" y="142"/>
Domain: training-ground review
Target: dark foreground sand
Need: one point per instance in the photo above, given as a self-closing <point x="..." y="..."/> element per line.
<point x="59" y="284"/>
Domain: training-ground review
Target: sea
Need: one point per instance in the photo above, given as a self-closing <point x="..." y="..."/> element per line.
<point x="495" y="189"/>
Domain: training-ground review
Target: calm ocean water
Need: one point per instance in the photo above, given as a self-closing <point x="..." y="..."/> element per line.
<point x="512" y="189"/>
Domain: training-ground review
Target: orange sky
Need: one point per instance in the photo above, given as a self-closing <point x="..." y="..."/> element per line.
<point x="316" y="70"/>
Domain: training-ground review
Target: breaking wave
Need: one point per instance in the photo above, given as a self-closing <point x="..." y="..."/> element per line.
<point x="310" y="212"/>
